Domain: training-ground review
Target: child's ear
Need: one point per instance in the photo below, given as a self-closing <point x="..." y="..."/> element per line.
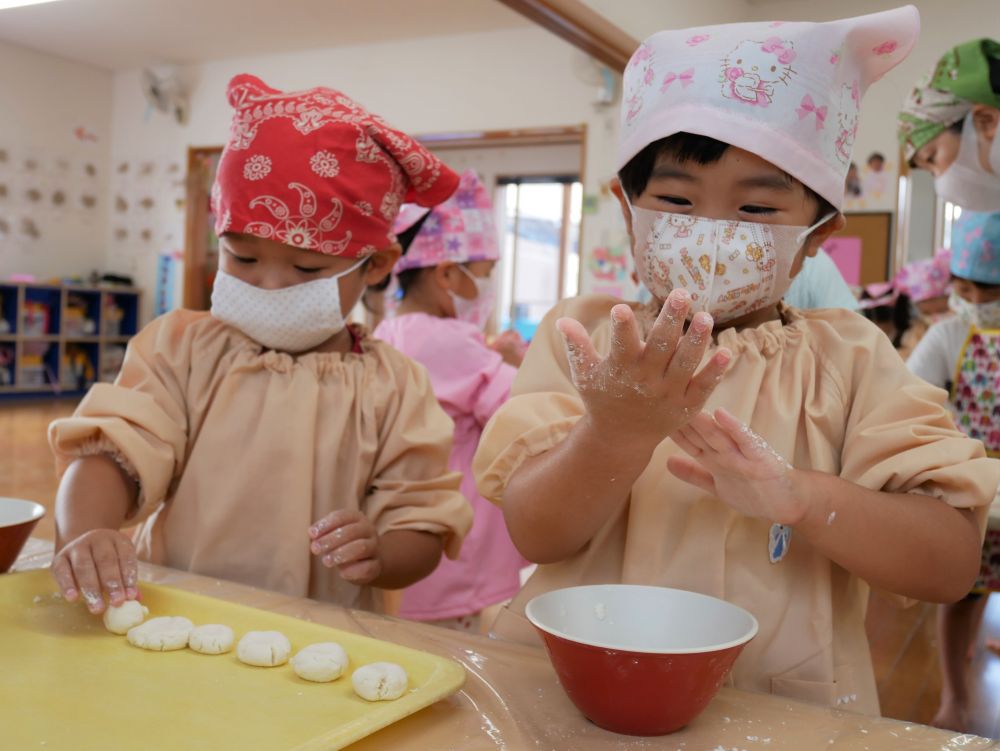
<point x="823" y="232"/>
<point x="444" y="274"/>
<point x="616" y="187"/>
<point x="381" y="263"/>
<point x="985" y="119"/>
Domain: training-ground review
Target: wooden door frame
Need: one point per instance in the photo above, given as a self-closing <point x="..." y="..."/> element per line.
<point x="196" y="214"/>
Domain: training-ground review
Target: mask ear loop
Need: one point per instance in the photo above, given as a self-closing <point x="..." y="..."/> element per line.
<point x="801" y="238"/>
<point x="477" y="280"/>
<point x="361" y="262"/>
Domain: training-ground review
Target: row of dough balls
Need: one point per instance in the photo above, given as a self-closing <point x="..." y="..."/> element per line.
<point x="323" y="662"/>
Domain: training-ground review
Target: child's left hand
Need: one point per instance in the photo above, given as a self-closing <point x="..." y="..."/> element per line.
<point x="732" y="462"/>
<point x="348" y="540"/>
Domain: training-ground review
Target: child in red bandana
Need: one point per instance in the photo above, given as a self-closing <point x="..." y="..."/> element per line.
<point x="268" y="442"/>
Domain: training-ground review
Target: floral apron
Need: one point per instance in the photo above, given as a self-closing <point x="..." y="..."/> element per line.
<point x="975" y="400"/>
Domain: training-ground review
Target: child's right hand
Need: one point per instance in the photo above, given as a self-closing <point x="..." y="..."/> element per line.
<point x="510" y="346"/>
<point x="102" y="560"/>
<point x="644" y="391"/>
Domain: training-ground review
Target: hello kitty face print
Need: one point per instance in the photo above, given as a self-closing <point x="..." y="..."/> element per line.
<point x="752" y="71"/>
<point x="787" y="92"/>
<point x="847" y="121"/>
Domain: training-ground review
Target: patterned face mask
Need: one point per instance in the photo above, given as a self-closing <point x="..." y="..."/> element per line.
<point x="982" y="316"/>
<point x="290" y="319"/>
<point x="729" y="268"/>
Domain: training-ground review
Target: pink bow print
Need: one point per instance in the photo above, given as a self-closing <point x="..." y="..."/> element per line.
<point x="686" y="78"/>
<point x="808" y="107"/>
<point x="697" y="39"/>
<point x="886" y="48"/>
<point x="786" y="55"/>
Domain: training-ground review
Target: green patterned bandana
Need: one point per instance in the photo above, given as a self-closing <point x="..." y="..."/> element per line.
<point x="960" y="80"/>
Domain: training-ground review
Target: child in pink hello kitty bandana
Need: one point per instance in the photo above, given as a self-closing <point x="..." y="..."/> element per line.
<point x="818" y="447"/>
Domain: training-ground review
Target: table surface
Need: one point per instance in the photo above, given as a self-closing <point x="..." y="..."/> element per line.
<point x="512" y="699"/>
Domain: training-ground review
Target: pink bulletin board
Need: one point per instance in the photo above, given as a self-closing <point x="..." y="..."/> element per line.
<point x="846" y="253"/>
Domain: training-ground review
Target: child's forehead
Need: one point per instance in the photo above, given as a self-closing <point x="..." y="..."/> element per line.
<point x="736" y="165"/>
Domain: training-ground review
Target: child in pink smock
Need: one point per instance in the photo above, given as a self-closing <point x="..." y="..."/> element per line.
<point x="447" y="282"/>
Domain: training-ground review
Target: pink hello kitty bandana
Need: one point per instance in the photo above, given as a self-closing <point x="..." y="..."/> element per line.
<point x="788" y="92"/>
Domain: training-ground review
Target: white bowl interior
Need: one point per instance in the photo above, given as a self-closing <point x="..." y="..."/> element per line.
<point x="14" y="511"/>
<point x="642" y="619"/>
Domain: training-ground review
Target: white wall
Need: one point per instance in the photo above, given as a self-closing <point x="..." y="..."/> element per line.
<point x="641" y="18"/>
<point x="43" y="99"/>
<point x="943" y="25"/>
<point x="497" y="80"/>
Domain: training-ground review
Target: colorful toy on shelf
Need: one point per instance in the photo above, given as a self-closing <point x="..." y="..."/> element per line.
<point x="35" y="318"/>
<point x="77" y="369"/>
<point x="76" y="322"/>
<point x="112" y="317"/>
<point x="6" y="366"/>
<point x="5" y="325"/>
<point x="32" y="370"/>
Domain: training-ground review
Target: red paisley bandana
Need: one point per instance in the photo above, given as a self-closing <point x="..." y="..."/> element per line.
<point x="314" y="170"/>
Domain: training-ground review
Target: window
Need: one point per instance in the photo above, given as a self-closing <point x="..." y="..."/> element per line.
<point x="539" y="223"/>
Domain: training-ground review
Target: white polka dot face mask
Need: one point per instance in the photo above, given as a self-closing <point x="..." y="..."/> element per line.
<point x="290" y="319"/>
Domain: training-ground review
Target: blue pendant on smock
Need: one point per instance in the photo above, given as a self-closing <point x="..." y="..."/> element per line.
<point x="777" y="542"/>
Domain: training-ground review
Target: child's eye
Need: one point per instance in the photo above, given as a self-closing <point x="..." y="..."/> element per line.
<point x="243" y="259"/>
<point x="675" y="200"/>
<point x="756" y="210"/>
<point x="305" y="270"/>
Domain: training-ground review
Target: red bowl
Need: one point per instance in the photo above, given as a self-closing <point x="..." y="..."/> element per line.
<point x="640" y="660"/>
<point x="17" y="519"/>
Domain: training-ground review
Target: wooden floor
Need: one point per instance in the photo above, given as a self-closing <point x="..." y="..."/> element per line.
<point x="903" y="641"/>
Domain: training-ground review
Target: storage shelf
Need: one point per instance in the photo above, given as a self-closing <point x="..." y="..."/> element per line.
<point x="69" y="360"/>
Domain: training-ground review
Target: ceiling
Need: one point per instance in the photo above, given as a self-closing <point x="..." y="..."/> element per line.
<point x="123" y="34"/>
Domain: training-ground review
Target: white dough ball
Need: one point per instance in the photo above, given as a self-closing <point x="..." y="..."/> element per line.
<point x="321" y="662"/>
<point x="161" y="634"/>
<point x="211" y="639"/>
<point x="379" y="681"/>
<point x="119" y="619"/>
<point x="265" y="649"/>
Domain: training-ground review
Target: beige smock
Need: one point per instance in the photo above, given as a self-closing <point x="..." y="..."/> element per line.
<point x="238" y="450"/>
<point x="829" y="393"/>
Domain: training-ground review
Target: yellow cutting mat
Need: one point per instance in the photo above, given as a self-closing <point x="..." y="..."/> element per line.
<point x="67" y="683"/>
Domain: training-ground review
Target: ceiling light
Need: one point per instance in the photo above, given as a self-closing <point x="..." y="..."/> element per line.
<point x="5" y="4"/>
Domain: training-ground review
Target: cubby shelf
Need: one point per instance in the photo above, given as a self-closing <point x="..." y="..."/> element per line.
<point x="60" y="339"/>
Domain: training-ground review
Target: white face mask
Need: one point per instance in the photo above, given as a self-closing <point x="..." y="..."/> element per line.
<point x="965" y="182"/>
<point x="290" y="319"/>
<point x="729" y="268"/>
<point x="983" y="316"/>
<point x="476" y="311"/>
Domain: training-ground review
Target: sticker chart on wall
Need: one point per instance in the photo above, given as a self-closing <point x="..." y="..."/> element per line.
<point x="39" y="192"/>
<point x="147" y="210"/>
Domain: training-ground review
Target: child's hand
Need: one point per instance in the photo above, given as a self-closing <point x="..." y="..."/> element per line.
<point x="510" y="346"/>
<point x="732" y="462"/>
<point x="644" y="391"/>
<point x="347" y="540"/>
<point x="99" y="560"/>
